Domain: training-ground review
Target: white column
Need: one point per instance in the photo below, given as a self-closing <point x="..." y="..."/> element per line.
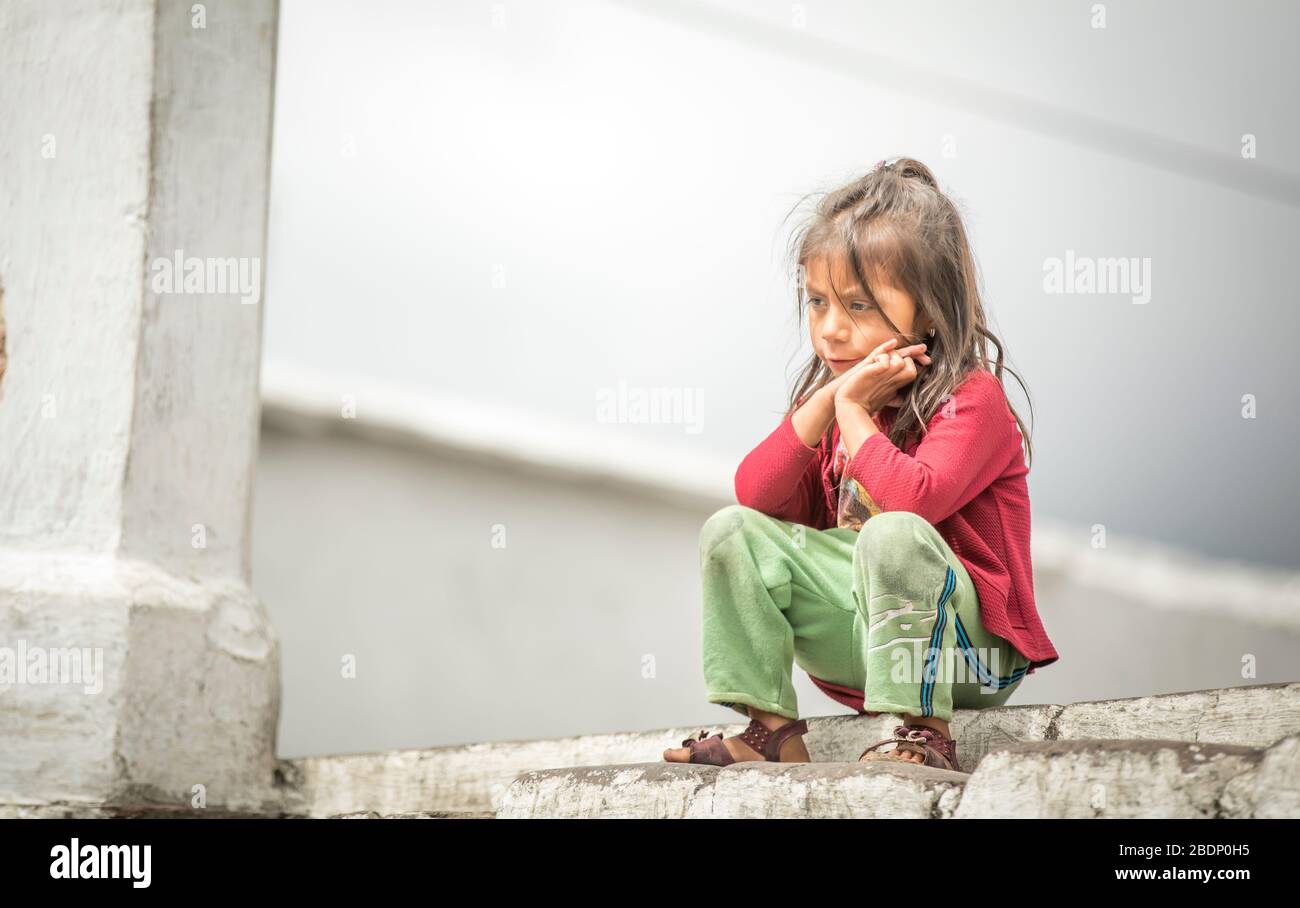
<point x="133" y="131"/>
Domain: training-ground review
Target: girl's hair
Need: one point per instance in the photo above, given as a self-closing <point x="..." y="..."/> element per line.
<point x="894" y="221"/>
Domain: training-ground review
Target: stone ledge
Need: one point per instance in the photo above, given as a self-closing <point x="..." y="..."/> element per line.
<point x="86" y="810"/>
<point x="748" y="790"/>
<point x="434" y="815"/>
<point x="1080" y="779"/>
<point x="1085" y="779"/>
<point x="475" y="777"/>
<point x="1169" y="755"/>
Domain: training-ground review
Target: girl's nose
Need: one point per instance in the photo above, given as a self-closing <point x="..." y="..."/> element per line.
<point x="835" y="323"/>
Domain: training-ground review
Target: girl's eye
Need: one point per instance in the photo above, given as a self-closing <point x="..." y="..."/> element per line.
<point x="817" y="303"/>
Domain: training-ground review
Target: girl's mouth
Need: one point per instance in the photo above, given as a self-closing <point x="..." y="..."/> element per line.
<point x="844" y="363"/>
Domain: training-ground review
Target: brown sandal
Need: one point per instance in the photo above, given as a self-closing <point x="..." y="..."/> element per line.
<point x="939" y="752"/>
<point x="713" y="752"/>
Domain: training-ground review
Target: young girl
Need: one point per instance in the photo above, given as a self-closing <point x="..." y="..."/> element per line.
<point x="881" y="535"/>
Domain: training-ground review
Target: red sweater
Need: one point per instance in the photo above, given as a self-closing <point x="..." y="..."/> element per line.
<point x="966" y="477"/>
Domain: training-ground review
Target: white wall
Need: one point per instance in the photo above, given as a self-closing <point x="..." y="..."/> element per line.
<point x="627" y="165"/>
<point x="519" y="205"/>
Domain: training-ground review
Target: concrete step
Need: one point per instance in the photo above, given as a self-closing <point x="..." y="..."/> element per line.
<point x="100" y="810"/>
<point x="435" y="815"/>
<point x="476" y="777"/>
<point x="747" y="790"/>
<point x="1046" y="779"/>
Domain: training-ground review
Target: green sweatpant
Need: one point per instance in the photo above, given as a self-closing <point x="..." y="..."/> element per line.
<point x="888" y="609"/>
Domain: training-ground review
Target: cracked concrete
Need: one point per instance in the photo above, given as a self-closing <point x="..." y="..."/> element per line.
<point x="479" y="777"/>
<point x="1039" y="779"/>
<point x="1168" y="755"/>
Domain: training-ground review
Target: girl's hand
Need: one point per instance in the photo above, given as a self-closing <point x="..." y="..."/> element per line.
<point x="829" y="389"/>
<point x="874" y="383"/>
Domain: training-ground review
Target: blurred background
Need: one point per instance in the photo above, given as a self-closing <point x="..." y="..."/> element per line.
<point x="492" y="222"/>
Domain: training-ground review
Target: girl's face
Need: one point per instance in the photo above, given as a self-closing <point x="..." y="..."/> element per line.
<point x="841" y="340"/>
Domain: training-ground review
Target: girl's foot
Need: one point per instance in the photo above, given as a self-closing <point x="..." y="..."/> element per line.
<point x="916" y="752"/>
<point x="792" y="748"/>
<point x="905" y="756"/>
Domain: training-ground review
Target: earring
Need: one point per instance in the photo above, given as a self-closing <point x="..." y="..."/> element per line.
<point x="932" y="332"/>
